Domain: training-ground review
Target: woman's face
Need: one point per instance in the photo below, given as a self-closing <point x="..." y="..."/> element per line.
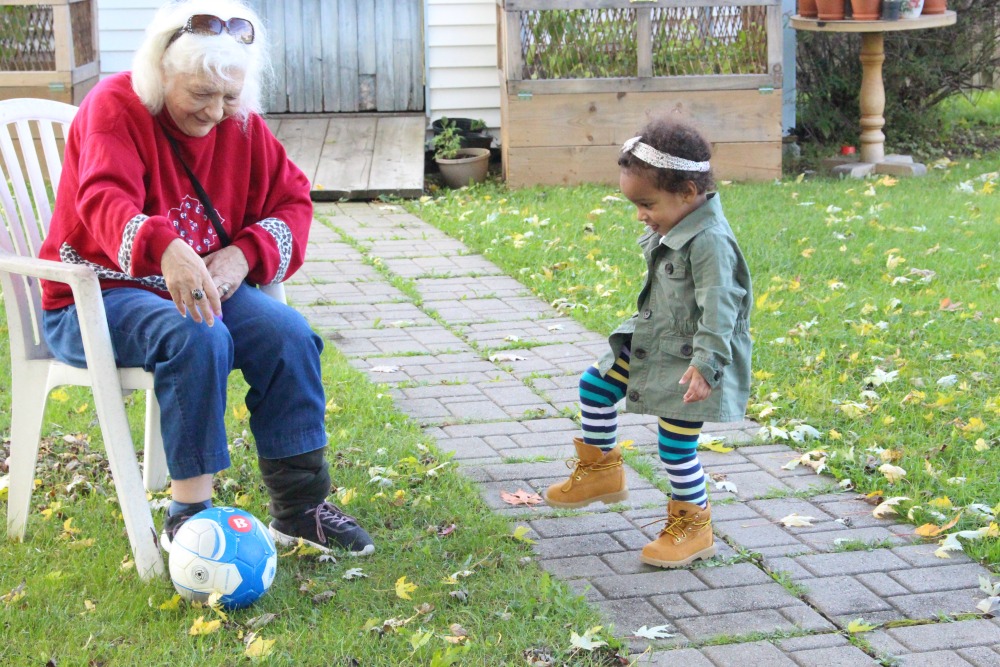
<point x="199" y="102"/>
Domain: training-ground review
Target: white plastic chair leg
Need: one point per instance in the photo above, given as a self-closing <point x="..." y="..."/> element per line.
<point x="154" y="458"/>
<point x="25" y="434"/>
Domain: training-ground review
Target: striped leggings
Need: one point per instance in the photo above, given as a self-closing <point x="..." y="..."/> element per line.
<point x="678" y="439"/>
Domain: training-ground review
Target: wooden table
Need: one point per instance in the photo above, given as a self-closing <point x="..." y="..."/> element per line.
<point x="873" y="157"/>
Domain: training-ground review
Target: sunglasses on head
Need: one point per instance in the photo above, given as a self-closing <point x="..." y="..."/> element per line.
<point x="206" y="24"/>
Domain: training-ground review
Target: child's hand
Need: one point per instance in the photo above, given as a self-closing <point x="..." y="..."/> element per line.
<point x="699" y="389"/>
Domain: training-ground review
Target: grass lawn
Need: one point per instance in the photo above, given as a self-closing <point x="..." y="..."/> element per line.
<point x="448" y="584"/>
<point x="876" y="326"/>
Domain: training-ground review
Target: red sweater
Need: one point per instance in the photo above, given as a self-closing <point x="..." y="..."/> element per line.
<point x="124" y="196"/>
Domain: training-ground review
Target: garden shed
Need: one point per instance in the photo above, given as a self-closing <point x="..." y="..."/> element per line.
<point x="579" y="77"/>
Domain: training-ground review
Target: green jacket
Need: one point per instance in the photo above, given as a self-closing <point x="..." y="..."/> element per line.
<point x="694" y="310"/>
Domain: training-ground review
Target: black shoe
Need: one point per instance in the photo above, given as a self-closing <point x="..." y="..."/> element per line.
<point x="324" y="527"/>
<point x="174" y="522"/>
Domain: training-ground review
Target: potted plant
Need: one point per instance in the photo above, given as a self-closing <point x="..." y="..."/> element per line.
<point x="471" y="130"/>
<point x="830" y="10"/>
<point x="459" y="166"/>
<point x="935" y="6"/>
<point x="807" y="9"/>
<point x="866" y="10"/>
<point x="912" y="9"/>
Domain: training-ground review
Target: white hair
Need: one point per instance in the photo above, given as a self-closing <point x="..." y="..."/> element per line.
<point x="159" y="59"/>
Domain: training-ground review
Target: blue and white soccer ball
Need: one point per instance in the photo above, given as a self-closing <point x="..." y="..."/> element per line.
<point x="223" y="549"/>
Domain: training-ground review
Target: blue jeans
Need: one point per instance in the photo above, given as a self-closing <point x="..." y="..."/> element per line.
<point x="270" y="342"/>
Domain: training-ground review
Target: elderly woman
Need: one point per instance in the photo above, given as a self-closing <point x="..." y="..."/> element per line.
<point x="178" y="196"/>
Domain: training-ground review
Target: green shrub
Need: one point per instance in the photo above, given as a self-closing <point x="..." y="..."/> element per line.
<point x="922" y="68"/>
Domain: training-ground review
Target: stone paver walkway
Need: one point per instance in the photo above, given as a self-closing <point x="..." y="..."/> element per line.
<point x="418" y="312"/>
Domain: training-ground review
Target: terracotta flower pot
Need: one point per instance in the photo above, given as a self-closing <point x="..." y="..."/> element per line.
<point x="935" y="6"/>
<point x="866" y="10"/>
<point x="830" y="10"/>
<point x="807" y="9"/>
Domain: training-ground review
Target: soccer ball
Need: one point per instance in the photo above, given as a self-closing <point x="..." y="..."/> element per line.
<point x="223" y="549"/>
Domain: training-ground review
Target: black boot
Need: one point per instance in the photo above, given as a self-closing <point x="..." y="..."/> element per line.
<point x="298" y="486"/>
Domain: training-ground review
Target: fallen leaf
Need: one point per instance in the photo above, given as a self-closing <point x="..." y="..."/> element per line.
<point x="520" y="497"/>
<point x="793" y="520"/>
<point x="588" y="641"/>
<point x="519" y="535"/>
<point x="403" y="588"/>
<point x="354" y="573"/>
<point x="200" y="627"/>
<point x="859" y="625"/>
<point x="930" y="530"/>
<point x="384" y="369"/>
<point x="506" y="356"/>
<point x="888" y="507"/>
<point x="655" y="632"/>
<point x="989" y="605"/>
<point x="715" y="445"/>
<point x="891" y="472"/>
<point x="725" y="485"/>
<point x="259" y="648"/>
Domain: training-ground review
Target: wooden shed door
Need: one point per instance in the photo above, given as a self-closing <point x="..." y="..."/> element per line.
<point x="345" y="55"/>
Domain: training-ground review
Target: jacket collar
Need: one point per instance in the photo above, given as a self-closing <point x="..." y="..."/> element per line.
<point x="707" y="215"/>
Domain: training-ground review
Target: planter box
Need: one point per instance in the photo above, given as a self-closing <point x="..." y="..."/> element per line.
<point x="579" y="77"/>
<point x="48" y="49"/>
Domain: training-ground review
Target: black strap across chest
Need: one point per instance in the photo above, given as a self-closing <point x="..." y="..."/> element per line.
<point x="210" y="211"/>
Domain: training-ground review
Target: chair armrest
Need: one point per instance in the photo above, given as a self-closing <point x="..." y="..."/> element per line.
<point x="46" y="269"/>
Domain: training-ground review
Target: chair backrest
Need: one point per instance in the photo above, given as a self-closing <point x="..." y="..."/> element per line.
<point x="30" y="181"/>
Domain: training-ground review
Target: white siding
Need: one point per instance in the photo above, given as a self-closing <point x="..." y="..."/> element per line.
<point x="461" y="52"/>
<point x="462" y="75"/>
<point x="121" y="25"/>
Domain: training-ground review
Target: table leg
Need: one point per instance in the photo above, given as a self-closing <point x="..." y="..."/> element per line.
<point x="872" y="97"/>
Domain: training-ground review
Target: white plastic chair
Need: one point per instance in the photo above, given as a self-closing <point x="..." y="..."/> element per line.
<point x="28" y="180"/>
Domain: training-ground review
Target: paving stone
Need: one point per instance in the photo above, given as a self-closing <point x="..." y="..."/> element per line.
<point x="949" y="578"/>
<point x="930" y="605"/>
<point x="526" y="470"/>
<point x="841" y="656"/>
<point x="935" y="637"/>
<point x="740" y="574"/>
<point x="831" y="540"/>
<point x="881" y="584"/>
<point x="632" y="540"/>
<point x="804" y="617"/>
<point x="580" y="525"/>
<point x="922" y="555"/>
<point x="576" y="567"/>
<point x="934" y="659"/>
<point x="630" y="614"/>
<point x="836" y="596"/>
<point x="741" y="655"/>
<point x="756" y="533"/>
<point x="789" y="566"/>
<point x="652" y="583"/>
<point x="704" y="627"/>
<point x="812" y="642"/>
<point x="981" y="656"/>
<point x="742" y="598"/>
<point x="756" y="484"/>
<point x="578" y="545"/>
<point x="883" y="644"/>
<point x="483" y="430"/>
<point x="687" y="657"/>
<point x="851" y="562"/>
<point x="777" y="509"/>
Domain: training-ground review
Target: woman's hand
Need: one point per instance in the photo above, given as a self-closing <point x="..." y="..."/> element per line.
<point x="187" y="278"/>
<point x="698" y="389"/>
<point x="228" y="268"/>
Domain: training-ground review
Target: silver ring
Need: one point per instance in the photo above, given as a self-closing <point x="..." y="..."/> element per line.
<point x="198" y="294"/>
<point x="225" y="288"/>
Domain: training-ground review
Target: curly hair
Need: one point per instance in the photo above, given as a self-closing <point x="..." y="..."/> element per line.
<point x="155" y="65"/>
<point x="677" y="139"/>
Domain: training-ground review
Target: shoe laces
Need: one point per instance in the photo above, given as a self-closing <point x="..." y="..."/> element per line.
<point x="328" y="514"/>
<point x="581" y="468"/>
<point x="677" y="525"/>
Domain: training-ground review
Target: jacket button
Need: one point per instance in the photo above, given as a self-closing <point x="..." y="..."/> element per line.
<point x="646" y="314"/>
<point x="686" y="349"/>
<point x="633" y="396"/>
<point x="669" y="268"/>
<point x="640" y="353"/>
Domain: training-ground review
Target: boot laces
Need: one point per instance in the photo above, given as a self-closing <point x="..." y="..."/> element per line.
<point x="330" y="516"/>
<point x="581" y="468"/>
<point x="677" y="525"/>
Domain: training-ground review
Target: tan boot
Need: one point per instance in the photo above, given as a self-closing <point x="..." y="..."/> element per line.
<point x="596" y="476"/>
<point x="685" y="538"/>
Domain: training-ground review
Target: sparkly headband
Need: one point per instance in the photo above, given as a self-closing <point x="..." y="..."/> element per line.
<point x="650" y="155"/>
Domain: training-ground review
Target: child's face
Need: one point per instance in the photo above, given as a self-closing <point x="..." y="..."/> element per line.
<point x="658" y="209"/>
